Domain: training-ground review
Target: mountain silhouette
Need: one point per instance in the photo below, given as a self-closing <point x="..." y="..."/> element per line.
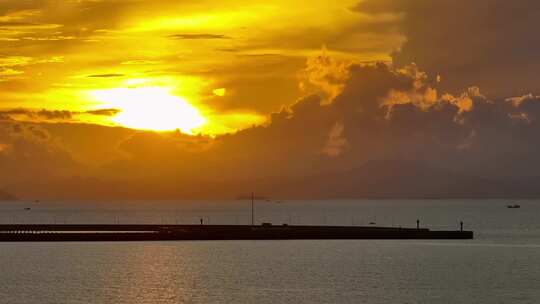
<point x="4" y="196"/>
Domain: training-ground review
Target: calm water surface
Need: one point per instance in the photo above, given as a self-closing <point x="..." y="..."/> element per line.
<point x="502" y="265"/>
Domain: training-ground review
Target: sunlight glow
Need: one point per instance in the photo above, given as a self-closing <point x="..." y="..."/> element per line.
<point x="220" y="92"/>
<point x="151" y="108"/>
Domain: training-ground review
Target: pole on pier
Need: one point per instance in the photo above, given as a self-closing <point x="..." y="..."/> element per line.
<point x="252" y="217"/>
<point x="417" y="224"/>
<point x="461" y="225"/>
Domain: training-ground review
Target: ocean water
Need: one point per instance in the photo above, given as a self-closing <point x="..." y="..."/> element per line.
<point x="501" y="265"/>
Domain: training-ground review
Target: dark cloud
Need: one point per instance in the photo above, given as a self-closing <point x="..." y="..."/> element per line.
<point x="30" y="153"/>
<point x="4" y="117"/>
<point x="395" y="123"/>
<point x="368" y="130"/>
<point x="45" y="114"/>
<point x="487" y="43"/>
<point x="56" y="114"/>
<point x="104" y="112"/>
<point x="110" y="75"/>
<point x="388" y="132"/>
<point x="366" y="122"/>
<point x="61" y="115"/>
<point x="198" y="36"/>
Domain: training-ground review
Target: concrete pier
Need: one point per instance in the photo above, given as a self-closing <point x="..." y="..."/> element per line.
<point x="85" y="233"/>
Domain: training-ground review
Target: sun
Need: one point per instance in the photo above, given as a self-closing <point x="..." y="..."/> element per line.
<point x="151" y="108"/>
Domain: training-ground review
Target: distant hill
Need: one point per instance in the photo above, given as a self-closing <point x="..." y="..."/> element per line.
<point x="401" y="179"/>
<point x="381" y="179"/>
<point x="4" y="196"/>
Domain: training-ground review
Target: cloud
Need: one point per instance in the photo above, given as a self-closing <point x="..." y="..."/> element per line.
<point x="10" y="66"/>
<point x="383" y="112"/>
<point x="109" y="75"/>
<point x="388" y="131"/>
<point x="48" y="38"/>
<point x="13" y="66"/>
<point x="23" y="27"/>
<point x="51" y="115"/>
<point x="198" y="36"/>
<point x="248" y="77"/>
<point x="518" y="100"/>
<point x="11" y="61"/>
<point x="469" y="46"/>
<point x="35" y="114"/>
<point x="463" y="109"/>
<point x="55" y="114"/>
<point x="6" y="72"/>
<point x="30" y="152"/>
<point x="326" y="73"/>
<point x="104" y="112"/>
<point x="336" y="142"/>
<point x="269" y="49"/>
<point x="140" y="62"/>
<point x="20" y="15"/>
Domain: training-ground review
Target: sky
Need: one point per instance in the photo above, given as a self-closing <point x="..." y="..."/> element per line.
<point x="174" y="99"/>
<point x="216" y="56"/>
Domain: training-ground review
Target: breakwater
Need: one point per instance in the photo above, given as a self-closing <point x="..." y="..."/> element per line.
<point x="85" y="233"/>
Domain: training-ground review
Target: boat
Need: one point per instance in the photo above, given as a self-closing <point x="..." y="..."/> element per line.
<point x="514" y="206"/>
<point x="27" y="208"/>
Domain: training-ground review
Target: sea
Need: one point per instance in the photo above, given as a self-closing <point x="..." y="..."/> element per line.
<point x="500" y="265"/>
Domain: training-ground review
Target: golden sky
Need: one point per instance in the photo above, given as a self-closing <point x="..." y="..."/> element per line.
<point x="350" y="98"/>
<point x="199" y="66"/>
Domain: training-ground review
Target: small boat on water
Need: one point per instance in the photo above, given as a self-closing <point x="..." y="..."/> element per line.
<point x="27" y="208"/>
<point x="514" y="206"/>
